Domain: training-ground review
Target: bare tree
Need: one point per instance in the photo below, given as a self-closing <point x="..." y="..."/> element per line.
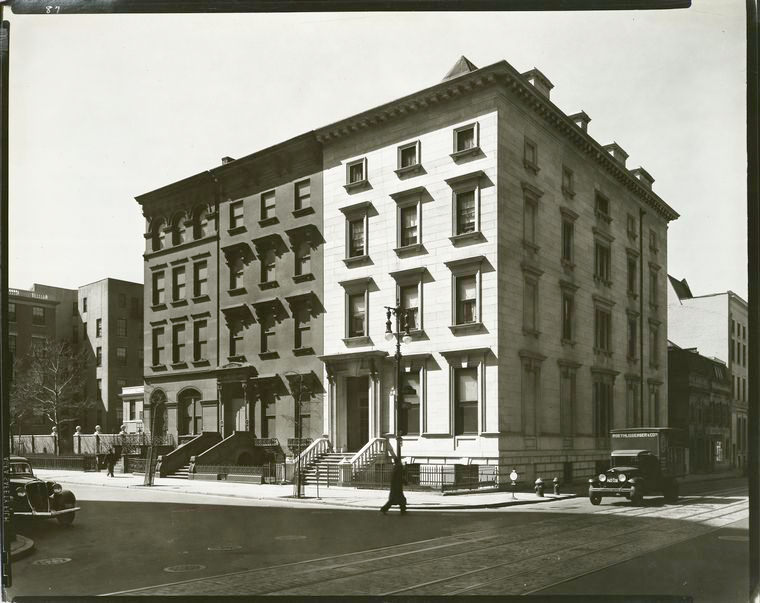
<point x="50" y="381"/>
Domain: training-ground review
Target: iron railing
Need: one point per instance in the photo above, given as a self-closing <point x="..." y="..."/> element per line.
<point x="70" y="463"/>
<point x="441" y="478"/>
<point x="270" y="473"/>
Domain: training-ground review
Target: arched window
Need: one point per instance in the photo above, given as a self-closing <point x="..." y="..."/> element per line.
<point x="190" y="414"/>
<point x="158" y="236"/>
<point x="158" y="417"/>
<point x="178" y="230"/>
<point x="200" y="228"/>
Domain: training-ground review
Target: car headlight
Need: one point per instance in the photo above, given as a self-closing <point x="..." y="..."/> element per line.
<point x="602" y="477"/>
<point x="57" y="488"/>
<point x="21" y="491"/>
<point x="622" y="477"/>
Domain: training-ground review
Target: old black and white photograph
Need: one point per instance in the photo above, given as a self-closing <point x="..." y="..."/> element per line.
<point x="388" y="304"/>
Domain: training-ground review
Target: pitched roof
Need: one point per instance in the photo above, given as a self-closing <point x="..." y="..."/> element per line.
<point x="681" y="288"/>
<point x="462" y="66"/>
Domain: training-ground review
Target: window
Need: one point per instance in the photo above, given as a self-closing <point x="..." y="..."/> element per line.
<point x="567" y="382"/>
<point x="178" y="231"/>
<point x="654" y="347"/>
<point x="303" y="258"/>
<point x="602" y="262"/>
<point x="99" y="386"/>
<point x="466" y="138"/>
<point x="653" y="288"/>
<point x="465" y="400"/>
<point x="269" y="424"/>
<point x="744" y="332"/>
<point x="12" y="345"/>
<point x="84" y="304"/>
<point x="158" y="346"/>
<point x="568" y="234"/>
<point x="654" y="404"/>
<point x="158" y="287"/>
<point x="356" y="171"/>
<point x="410" y="302"/>
<point x="122" y="301"/>
<point x="38" y="315"/>
<point x="157" y="237"/>
<point x="200" y="225"/>
<point x="568" y="312"/>
<point x="98" y="327"/>
<point x="530" y="306"/>
<point x="466" y="299"/>
<point x="568" y="181"/>
<point x="602" y="407"/>
<point x="602" y="330"/>
<point x="633" y="405"/>
<point x="356" y="237"/>
<point x="236" y="338"/>
<point x="178" y="283"/>
<point x="744" y="355"/>
<point x="530" y="155"/>
<point x="302" y="194"/>
<point x="199" y="339"/>
<point x="121" y="327"/>
<point x="178" y="343"/>
<point x="200" y="279"/>
<point x="132" y="410"/>
<point x="530" y="209"/>
<point x="466" y="211"/>
<point x="84" y="331"/>
<point x="408" y="223"/>
<point x="236" y="214"/>
<point x="268" y="266"/>
<point x="602" y="206"/>
<point x="357" y="315"/>
<point x="268" y="201"/>
<point x="11" y="312"/>
<point x="302" y="327"/>
<point x="409" y="410"/>
<point x="136" y="308"/>
<point x="98" y="356"/>
<point x="237" y="269"/>
<point x="653" y="241"/>
<point x="633" y="328"/>
<point x="121" y="356"/>
<point x="408" y="155"/>
<point x="631" y="276"/>
<point x="267" y="324"/>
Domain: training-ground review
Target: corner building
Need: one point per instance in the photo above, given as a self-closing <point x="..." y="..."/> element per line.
<point x="233" y="273"/>
<point x="534" y="263"/>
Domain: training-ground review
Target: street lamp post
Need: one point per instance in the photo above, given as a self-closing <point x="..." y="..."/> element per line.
<point x="401" y="334"/>
<point x="297" y="482"/>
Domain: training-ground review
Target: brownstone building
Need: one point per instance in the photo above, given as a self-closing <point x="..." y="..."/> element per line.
<point x="233" y="272"/>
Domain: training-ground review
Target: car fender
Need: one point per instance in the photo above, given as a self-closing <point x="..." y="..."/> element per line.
<point x="64" y="499"/>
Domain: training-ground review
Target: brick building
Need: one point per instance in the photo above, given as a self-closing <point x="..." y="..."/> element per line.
<point x="233" y="327"/>
<point x="699" y="403"/>
<point x="716" y="325"/>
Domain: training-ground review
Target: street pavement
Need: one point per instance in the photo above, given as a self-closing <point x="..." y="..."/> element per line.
<point x="125" y="541"/>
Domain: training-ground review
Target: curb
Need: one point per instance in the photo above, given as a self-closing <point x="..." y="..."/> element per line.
<point x="21" y="547"/>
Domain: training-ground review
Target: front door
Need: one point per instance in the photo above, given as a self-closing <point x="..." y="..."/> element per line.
<point x="357" y="406"/>
<point x="234" y="420"/>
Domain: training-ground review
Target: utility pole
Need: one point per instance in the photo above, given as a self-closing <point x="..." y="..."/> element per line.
<point x="401" y="334"/>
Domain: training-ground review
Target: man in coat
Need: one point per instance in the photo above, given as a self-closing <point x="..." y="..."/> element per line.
<point x="110" y="462"/>
<point x="396" y="496"/>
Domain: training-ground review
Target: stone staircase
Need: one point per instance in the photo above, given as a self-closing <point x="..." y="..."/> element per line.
<point x="181" y="473"/>
<point x="325" y="469"/>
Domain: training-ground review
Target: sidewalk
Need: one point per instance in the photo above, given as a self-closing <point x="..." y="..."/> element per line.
<point x="332" y="496"/>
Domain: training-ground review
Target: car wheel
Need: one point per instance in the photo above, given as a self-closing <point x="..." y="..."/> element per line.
<point x="671" y="493"/>
<point x="637" y="499"/>
<point x="66" y="500"/>
<point x="595" y="499"/>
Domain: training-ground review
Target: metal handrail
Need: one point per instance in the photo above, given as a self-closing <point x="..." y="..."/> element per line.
<point x="313" y="451"/>
<point x="367" y="455"/>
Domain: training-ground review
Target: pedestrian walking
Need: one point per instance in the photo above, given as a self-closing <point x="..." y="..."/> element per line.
<point x="110" y="462"/>
<point x="396" y="496"/>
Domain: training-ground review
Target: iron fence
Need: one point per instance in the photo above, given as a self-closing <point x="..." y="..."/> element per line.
<point x="441" y="478"/>
<point x="270" y="473"/>
<point x="71" y="463"/>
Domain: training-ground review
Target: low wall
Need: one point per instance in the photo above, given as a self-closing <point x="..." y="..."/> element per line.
<point x="24" y="445"/>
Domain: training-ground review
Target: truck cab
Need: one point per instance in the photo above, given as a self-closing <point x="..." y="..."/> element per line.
<point x="643" y="462"/>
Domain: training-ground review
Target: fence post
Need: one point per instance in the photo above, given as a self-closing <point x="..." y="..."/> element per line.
<point x="32" y="443"/>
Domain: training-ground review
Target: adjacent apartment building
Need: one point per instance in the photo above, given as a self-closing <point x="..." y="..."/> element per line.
<point x="530" y="260"/>
<point x="716" y="325"/>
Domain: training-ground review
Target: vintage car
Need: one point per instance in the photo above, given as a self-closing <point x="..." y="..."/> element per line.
<point x="651" y="468"/>
<point x="33" y="497"/>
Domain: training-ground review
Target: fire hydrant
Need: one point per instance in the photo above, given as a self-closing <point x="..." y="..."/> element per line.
<point x="539" y="487"/>
<point x="555" y="481"/>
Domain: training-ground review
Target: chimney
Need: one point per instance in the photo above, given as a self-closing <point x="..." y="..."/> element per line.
<point x="581" y="120"/>
<point x="644" y="177"/>
<point x="539" y="81"/>
<point x="617" y="152"/>
<point x="226" y="160"/>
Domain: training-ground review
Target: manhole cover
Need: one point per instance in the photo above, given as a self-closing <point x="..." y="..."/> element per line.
<point x="290" y="537"/>
<point x="735" y="538"/>
<point x="184" y="568"/>
<point x="52" y="561"/>
<point x="225" y="547"/>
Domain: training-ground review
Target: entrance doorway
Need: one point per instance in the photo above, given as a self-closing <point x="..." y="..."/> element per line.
<point x="357" y="412"/>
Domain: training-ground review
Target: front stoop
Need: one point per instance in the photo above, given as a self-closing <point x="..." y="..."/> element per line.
<point x="21" y="547"/>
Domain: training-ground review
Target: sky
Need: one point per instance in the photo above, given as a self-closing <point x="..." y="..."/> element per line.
<point x="106" y="107"/>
